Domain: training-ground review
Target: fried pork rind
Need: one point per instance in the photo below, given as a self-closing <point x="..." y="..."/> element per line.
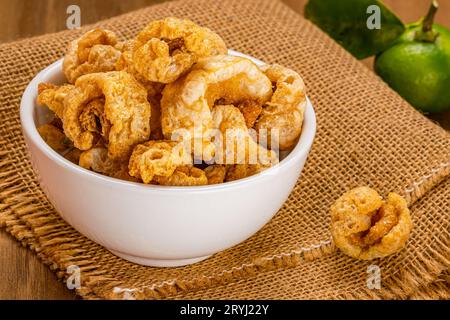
<point x="53" y="96"/>
<point x="166" y="49"/>
<point x="184" y="176"/>
<point x="365" y="227"/>
<point x="234" y="144"/>
<point x="240" y="171"/>
<point x="57" y="122"/>
<point x="125" y="63"/>
<point x="126" y="112"/>
<point x="215" y="173"/>
<point x="283" y="114"/>
<point x="54" y="137"/>
<point x="186" y="104"/>
<point x="175" y="85"/>
<point x="154" y="89"/>
<point x="97" y="159"/>
<point x="93" y="119"/>
<point x="157" y="158"/>
<point x="95" y="51"/>
<point x="251" y="111"/>
<point x="73" y="155"/>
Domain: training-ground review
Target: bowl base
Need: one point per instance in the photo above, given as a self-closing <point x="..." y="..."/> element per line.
<point x="158" y="262"/>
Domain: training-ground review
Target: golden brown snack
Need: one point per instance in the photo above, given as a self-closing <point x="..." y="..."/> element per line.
<point x="126" y="109"/>
<point x="53" y="96"/>
<point x="93" y="119"/>
<point x="167" y="48"/>
<point x="54" y="137"/>
<point x="95" y="51"/>
<point x="175" y="85"/>
<point x="97" y="159"/>
<point x="154" y="89"/>
<point x="186" y="104"/>
<point x="365" y="227"/>
<point x="57" y="122"/>
<point x="73" y="155"/>
<point x="251" y="111"/>
<point x="239" y="171"/>
<point x="234" y="144"/>
<point x="284" y="112"/>
<point x="157" y="158"/>
<point x="184" y="176"/>
<point x="215" y="173"/>
<point x="125" y="63"/>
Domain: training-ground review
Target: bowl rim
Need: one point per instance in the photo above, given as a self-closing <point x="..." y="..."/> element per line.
<point x="28" y="104"/>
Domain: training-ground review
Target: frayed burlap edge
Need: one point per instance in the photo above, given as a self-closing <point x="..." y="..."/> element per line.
<point x="23" y="217"/>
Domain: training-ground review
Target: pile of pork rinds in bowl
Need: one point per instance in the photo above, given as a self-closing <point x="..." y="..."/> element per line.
<point x="171" y="107"/>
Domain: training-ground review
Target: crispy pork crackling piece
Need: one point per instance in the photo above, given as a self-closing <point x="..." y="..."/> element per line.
<point x="93" y="52"/>
<point x="186" y="104"/>
<point x="157" y="158"/>
<point x="166" y="49"/>
<point x="54" y="137"/>
<point x="234" y="144"/>
<point x="184" y="176"/>
<point x="215" y="173"/>
<point x="125" y="120"/>
<point x="365" y="227"/>
<point x="282" y="116"/>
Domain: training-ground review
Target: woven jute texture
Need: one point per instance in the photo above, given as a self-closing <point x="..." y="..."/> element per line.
<point x="406" y="276"/>
<point x="439" y="289"/>
<point x="366" y="135"/>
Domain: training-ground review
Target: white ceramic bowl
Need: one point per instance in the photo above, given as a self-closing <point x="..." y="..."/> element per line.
<point x="157" y="225"/>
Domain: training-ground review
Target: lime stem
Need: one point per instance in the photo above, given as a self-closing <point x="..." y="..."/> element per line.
<point x="427" y="34"/>
<point x="429" y="18"/>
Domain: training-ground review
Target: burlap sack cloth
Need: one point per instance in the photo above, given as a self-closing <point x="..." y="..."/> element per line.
<point x="366" y="135"/>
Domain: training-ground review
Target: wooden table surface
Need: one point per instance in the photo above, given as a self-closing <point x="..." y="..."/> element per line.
<point x="22" y="275"/>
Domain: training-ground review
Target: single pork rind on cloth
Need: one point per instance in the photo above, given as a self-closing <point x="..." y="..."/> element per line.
<point x="365" y="227"/>
<point x="366" y="136"/>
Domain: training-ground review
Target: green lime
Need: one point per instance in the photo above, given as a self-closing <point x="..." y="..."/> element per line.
<point x="417" y="66"/>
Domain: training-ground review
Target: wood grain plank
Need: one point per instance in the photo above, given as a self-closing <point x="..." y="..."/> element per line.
<point x="23" y="276"/>
<point x="26" y="18"/>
